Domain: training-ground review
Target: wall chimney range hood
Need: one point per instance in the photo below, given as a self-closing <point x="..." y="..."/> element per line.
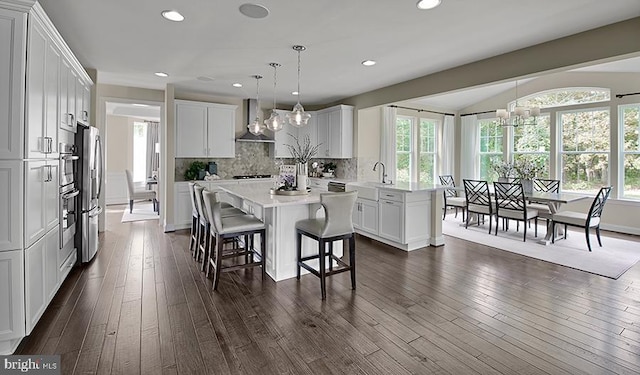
<point x="251" y="114"/>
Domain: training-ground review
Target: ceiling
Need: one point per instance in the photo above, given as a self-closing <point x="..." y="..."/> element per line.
<point x="127" y="41"/>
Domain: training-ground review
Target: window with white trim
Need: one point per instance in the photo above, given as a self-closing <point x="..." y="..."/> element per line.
<point x="629" y="118"/>
<point x="585" y="147"/>
<point x="532" y="143"/>
<point x="490" y="137"/>
<point x="416" y="149"/>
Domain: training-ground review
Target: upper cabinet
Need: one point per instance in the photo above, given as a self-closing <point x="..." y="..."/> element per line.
<point x="335" y="132"/>
<point x="13" y="31"/>
<point x="205" y="129"/>
<point x="41" y="132"/>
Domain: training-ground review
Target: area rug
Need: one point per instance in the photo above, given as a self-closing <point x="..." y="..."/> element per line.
<point x="611" y="260"/>
<point x="141" y="211"/>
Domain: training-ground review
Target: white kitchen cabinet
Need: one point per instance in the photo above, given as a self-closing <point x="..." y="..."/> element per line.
<point x="41" y="276"/>
<point x="310" y="130"/>
<point x="335" y="132"/>
<point x="66" y="96"/>
<point x="41" y="131"/>
<point x="391" y="220"/>
<point x="82" y="101"/>
<point x="11" y="193"/>
<point x="205" y="129"/>
<point x="86" y="102"/>
<point x="283" y="137"/>
<point x="182" y="204"/>
<point x="12" y="296"/>
<point x="13" y="31"/>
<point x="41" y="204"/>
<point x="365" y="215"/>
<point x="322" y="131"/>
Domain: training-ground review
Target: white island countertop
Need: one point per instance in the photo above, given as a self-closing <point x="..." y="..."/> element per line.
<point x="399" y="186"/>
<point x="258" y="192"/>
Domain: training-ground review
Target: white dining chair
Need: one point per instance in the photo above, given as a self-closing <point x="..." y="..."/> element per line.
<point x="142" y="194"/>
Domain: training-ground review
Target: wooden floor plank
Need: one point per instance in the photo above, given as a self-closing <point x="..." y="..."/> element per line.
<point x="143" y="306"/>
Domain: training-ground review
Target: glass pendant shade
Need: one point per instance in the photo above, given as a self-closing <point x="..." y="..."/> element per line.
<point x="274" y="122"/>
<point x="298" y="117"/>
<point x="256" y="126"/>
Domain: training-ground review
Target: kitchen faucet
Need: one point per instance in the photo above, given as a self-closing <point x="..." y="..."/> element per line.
<point x="384" y="171"/>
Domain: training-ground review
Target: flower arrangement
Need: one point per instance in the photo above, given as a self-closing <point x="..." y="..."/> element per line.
<point x="302" y="153"/>
<point x="503" y="169"/>
<point x="288" y="181"/>
<point x="527" y="169"/>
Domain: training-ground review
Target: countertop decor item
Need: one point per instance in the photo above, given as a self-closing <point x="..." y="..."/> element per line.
<point x="302" y="153"/>
<point x="289" y="192"/>
<point x="193" y="172"/>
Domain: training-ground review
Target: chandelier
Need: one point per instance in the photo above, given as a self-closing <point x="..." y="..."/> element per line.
<point x="298" y="117"/>
<point x="256" y="126"/>
<point x="274" y="122"/>
<point x="521" y="115"/>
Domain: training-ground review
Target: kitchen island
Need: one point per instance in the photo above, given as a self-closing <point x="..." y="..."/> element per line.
<point x="280" y="214"/>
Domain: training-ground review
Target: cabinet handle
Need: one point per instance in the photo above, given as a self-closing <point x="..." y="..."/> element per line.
<point x="72" y="118"/>
<point x="50" y="144"/>
<point x="388" y="195"/>
<point x="387" y="202"/>
<point x="49" y="177"/>
<point x="85" y="115"/>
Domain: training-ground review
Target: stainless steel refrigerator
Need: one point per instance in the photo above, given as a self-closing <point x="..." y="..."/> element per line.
<point x="89" y="176"/>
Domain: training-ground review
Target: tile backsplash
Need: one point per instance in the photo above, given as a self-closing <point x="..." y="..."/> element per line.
<point x="253" y="158"/>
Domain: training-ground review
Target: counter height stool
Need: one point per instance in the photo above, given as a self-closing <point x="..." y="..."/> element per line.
<point x="195" y="217"/>
<point x="231" y="227"/>
<point x="336" y="225"/>
<point x="204" y="224"/>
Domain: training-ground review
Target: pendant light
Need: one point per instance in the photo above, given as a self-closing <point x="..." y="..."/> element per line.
<point x="298" y="117"/>
<point x="274" y="122"/>
<point x="256" y="126"/>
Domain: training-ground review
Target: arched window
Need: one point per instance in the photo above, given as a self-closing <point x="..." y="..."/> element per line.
<point x="564" y="97"/>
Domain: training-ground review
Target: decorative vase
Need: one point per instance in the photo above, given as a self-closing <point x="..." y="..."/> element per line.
<point x="503" y="179"/>
<point x="527" y="185"/>
<point x="302" y="174"/>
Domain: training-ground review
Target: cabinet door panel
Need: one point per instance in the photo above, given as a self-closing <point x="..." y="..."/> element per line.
<point x="191" y="130"/>
<point x="390" y="220"/>
<point x="12" y="76"/>
<point x="335" y="136"/>
<point x="221" y="132"/>
<point x="35" y="127"/>
<point x="11" y="194"/>
<point x="72" y="78"/>
<point x="35" y="298"/>
<point x="51" y="99"/>
<point x="51" y="197"/>
<point x="36" y="175"/>
<point x="63" y="100"/>
<point x="369" y="216"/>
<point x="322" y="125"/>
<point x="11" y="295"/>
<point x="86" y="103"/>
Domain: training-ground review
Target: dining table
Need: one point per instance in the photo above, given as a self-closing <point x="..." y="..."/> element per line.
<point x="553" y="200"/>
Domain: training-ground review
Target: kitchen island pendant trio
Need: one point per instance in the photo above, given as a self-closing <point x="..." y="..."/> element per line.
<point x="274" y="122"/>
<point x="298" y="117"/>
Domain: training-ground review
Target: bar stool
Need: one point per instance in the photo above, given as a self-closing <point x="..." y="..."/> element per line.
<point x="195" y="217"/>
<point x="202" y="242"/>
<point x="336" y="225"/>
<point x="225" y="227"/>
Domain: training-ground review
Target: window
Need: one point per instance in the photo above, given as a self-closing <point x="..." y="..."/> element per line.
<point x="416" y="149"/>
<point x="490" y="135"/>
<point x="630" y="121"/>
<point x="139" y="151"/>
<point x="564" y="97"/>
<point x="533" y="143"/>
<point x="584" y="149"/>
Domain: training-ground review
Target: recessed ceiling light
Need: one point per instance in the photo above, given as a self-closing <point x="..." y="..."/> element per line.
<point x="161" y="74"/>
<point x="368" y="63"/>
<point x="172" y="15"/>
<point x="254" y="10"/>
<point x="428" y="4"/>
<point x="237" y="84"/>
<point x="295" y="93"/>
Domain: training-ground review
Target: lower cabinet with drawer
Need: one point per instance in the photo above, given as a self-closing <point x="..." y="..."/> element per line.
<point x="398" y="218"/>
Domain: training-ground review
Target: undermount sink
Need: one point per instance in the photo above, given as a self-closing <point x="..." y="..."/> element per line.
<point x="367" y="189"/>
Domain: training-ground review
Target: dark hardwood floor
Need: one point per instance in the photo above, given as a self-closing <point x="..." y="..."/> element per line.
<point x="143" y="306"/>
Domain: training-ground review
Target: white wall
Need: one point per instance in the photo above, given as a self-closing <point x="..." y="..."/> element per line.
<point x="118" y="157"/>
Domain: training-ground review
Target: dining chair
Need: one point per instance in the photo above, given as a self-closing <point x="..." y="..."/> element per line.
<point x="478" y="200"/>
<point x="544" y="186"/>
<point x="512" y="205"/>
<point x="335" y="226"/>
<point x="230" y="227"/>
<point x="587" y="220"/>
<point x="135" y="194"/>
<point x="451" y="198"/>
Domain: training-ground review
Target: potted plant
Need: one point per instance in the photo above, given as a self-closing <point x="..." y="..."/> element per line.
<point x="193" y="172"/>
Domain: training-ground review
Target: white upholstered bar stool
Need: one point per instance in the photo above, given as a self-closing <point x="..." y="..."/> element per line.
<point x="195" y="215"/>
<point x="226" y="227"/>
<point x="204" y="223"/>
<point x="336" y="225"/>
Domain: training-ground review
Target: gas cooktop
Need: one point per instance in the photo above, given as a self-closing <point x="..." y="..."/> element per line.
<point x="252" y="176"/>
